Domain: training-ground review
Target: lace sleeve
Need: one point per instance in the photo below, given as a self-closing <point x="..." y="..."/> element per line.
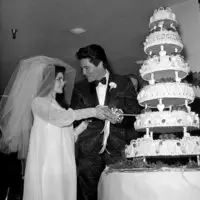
<point x="59" y="116"/>
<point x="46" y="110"/>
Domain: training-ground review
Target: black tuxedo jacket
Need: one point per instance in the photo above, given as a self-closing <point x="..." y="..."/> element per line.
<point x="123" y="97"/>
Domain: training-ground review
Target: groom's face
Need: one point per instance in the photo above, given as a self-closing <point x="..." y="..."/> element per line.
<point x="89" y="70"/>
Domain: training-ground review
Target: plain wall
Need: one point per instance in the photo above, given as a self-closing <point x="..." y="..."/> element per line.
<point x="188" y="16"/>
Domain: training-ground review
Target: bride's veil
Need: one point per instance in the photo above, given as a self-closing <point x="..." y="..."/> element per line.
<point x="33" y="77"/>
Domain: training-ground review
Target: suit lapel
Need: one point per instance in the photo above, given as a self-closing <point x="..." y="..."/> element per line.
<point x="108" y="96"/>
<point x="93" y="95"/>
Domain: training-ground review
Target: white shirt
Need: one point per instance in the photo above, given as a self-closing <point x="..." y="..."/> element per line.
<point x="101" y="90"/>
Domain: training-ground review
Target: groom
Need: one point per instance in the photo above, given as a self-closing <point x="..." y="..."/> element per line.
<point x="100" y="87"/>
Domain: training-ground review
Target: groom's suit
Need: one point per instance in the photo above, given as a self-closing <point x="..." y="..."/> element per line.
<point x="89" y="162"/>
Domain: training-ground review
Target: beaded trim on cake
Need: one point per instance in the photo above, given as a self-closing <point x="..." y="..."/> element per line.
<point x="166" y="90"/>
<point x="166" y="119"/>
<point x="162" y="14"/>
<point x="164" y="63"/>
<point x="161" y="38"/>
<point x="171" y="147"/>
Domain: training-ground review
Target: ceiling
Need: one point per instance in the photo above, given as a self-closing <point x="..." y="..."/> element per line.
<point x="120" y="26"/>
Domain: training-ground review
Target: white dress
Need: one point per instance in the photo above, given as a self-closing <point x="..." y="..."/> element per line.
<point x="50" y="168"/>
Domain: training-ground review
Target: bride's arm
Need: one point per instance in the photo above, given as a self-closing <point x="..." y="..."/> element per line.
<point x="46" y="110"/>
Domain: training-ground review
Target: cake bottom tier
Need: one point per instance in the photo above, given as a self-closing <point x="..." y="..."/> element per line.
<point x="172" y="147"/>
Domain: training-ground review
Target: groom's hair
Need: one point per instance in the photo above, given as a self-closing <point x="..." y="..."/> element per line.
<point x="95" y="53"/>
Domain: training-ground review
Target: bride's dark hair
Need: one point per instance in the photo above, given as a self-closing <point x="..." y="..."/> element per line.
<point x="60" y="98"/>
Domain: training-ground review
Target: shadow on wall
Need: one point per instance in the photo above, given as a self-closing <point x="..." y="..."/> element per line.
<point x="125" y="66"/>
<point x="75" y="64"/>
<point x="128" y="66"/>
<point x="6" y="70"/>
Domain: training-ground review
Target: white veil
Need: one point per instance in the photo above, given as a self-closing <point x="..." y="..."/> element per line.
<point x="33" y="77"/>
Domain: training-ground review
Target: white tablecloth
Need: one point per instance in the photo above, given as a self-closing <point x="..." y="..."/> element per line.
<point x="162" y="185"/>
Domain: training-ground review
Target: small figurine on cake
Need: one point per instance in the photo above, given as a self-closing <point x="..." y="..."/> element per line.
<point x="164" y="70"/>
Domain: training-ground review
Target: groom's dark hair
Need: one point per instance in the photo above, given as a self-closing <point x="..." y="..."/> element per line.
<point x="95" y="53"/>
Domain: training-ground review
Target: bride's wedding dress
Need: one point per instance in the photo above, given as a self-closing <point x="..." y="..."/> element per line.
<point x="50" y="168"/>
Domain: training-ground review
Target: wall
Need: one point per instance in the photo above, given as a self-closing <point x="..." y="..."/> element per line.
<point x="188" y="16"/>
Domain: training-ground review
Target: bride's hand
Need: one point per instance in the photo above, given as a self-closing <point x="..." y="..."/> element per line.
<point x="103" y="112"/>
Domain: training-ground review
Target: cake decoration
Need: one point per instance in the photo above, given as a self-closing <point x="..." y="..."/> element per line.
<point x="164" y="66"/>
<point x="170" y="93"/>
<point x="162" y="15"/>
<point x="169" y="41"/>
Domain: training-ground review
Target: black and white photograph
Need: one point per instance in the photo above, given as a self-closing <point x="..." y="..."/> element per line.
<point x="100" y="100"/>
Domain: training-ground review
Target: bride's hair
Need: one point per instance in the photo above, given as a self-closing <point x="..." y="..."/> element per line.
<point x="59" y="69"/>
<point x="60" y="98"/>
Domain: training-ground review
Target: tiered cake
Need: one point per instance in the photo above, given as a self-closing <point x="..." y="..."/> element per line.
<point x="167" y="118"/>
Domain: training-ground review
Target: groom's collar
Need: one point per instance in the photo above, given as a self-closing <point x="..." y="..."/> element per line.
<point x="106" y="75"/>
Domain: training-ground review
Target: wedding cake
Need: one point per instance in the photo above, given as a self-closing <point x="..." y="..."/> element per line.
<point x="164" y="162"/>
<point x="167" y="119"/>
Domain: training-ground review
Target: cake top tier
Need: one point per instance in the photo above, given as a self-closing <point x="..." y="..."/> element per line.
<point x="163" y="14"/>
<point x="164" y="35"/>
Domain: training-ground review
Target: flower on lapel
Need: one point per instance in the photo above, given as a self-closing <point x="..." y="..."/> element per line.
<point x="112" y="85"/>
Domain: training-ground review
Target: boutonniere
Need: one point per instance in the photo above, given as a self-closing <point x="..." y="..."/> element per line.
<point x="112" y="85"/>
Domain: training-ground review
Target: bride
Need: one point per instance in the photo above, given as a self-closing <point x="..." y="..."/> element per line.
<point x="40" y="127"/>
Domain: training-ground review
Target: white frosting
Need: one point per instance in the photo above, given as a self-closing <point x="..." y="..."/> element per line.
<point x="177" y="147"/>
<point x="162" y="14"/>
<point x="172" y="93"/>
<point x="163" y="38"/>
<point x="165" y="66"/>
<point x="164" y="119"/>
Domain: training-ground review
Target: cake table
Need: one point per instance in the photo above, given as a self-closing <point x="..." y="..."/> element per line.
<point x="149" y="185"/>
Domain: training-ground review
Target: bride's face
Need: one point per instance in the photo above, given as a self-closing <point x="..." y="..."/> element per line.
<point x="59" y="83"/>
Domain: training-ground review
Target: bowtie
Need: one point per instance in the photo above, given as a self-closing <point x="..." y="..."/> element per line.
<point x="102" y="81"/>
